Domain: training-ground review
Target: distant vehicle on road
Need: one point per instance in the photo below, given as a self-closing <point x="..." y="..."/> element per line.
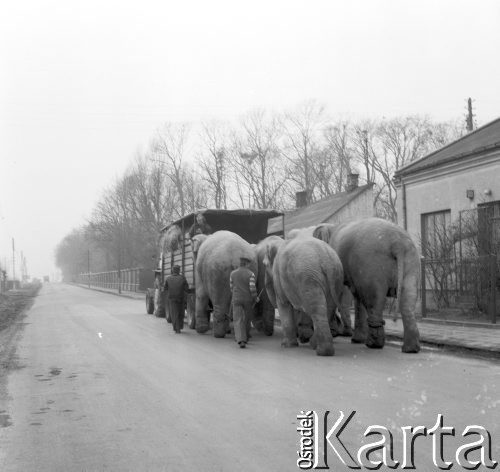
<point x="46" y="278"/>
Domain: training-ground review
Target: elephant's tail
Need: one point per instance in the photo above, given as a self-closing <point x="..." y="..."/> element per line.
<point x="334" y="278"/>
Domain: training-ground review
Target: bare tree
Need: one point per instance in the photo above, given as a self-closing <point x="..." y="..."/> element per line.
<point x="363" y="136"/>
<point x="72" y="253"/>
<point x="385" y="146"/>
<point x="151" y="203"/>
<point x="214" y="162"/>
<point x="256" y="160"/>
<point x="333" y="162"/>
<point x="108" y="225"/>
<point x="303" y="130"/>
<point x="195" y="191"/>
<point x="169" y="147"/>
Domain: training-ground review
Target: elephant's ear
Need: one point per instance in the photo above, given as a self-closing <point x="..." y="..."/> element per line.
<point x="271" y="250"/>
<point x="322" y="232"/>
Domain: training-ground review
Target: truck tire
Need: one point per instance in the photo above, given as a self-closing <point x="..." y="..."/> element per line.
<point x="150" y="303"/>
<point x="159" y="303"/>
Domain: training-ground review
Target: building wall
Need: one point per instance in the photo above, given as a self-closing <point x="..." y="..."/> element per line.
<point x="445" y="189"/>
<point x="361" y="207"/>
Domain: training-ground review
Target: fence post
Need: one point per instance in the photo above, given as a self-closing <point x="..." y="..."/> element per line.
<point x="423" y="288"/>
<point x="493" y="289"/>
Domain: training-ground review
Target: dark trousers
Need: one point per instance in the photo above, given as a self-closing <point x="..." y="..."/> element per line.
<point x="176" y="309"/>
<point x="242" y="313"/>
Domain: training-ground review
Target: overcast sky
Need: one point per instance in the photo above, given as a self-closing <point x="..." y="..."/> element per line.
<point x="84" y="84"/>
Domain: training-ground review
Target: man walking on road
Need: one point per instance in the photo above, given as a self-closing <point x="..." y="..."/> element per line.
<point x="177" y="288"/>
<point x="244" y="294"/>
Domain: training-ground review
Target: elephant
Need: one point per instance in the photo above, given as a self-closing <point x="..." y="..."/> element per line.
<point x="304" y="274"/>
<point x="264" y="316"/>
<point x="304" y="323"/>
<point x="380" y="260"/>
<point x="218" y="255"/>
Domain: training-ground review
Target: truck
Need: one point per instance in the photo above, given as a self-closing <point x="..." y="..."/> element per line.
<point x="176" y="249"/>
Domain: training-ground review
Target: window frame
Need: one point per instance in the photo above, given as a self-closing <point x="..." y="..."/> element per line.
<point x="424" y="234"/>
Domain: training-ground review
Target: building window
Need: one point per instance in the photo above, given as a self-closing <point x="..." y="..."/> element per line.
<point x="436" y="240"/>
<point x="489" y="228"/>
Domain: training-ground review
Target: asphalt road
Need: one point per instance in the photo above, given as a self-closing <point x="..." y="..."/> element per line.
<point x="100" y="385"/>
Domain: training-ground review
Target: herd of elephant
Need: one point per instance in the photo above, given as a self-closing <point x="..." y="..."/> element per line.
<point x="310" y="275"/>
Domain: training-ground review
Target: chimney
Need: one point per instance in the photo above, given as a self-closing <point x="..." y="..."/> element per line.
<point x="352" y="182"/>
<point x="301" y="199"/>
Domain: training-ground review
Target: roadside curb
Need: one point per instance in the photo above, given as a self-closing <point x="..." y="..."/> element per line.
<point x="451" y="347"/>
<point x="488" y="352"/>
<point x="463" y="324"/>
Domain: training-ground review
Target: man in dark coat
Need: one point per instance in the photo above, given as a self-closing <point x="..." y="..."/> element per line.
<point x="244" y="296"/>
<point x="177" y="288"/>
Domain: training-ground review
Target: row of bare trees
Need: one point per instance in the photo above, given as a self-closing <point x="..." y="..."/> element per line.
<point x="260" y="161"/>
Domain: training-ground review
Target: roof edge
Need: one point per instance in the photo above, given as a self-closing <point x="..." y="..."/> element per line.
<point x="406" y="167"/>
<point x="478" y="152"/>
<point x="363" y="187"/>
<point x="349" y="200"/>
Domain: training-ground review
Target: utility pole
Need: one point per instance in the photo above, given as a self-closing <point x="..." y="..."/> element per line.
<point x="88" y="264"/>
<point x="469" y="118"/>
<point x="120" y="240"/>
<point x="13" y="265"/>
<point x="24" y="268"/>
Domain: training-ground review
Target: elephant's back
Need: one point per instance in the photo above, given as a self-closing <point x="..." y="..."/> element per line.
<point x="375" y="245"/>
<point x="307" y="255"/>
<point x="309" y="265"/>
<point x="221" y="252"/>
<point x="371" y="235"/>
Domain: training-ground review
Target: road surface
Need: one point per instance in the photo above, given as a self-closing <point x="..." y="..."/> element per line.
<point x="100" y="385"/>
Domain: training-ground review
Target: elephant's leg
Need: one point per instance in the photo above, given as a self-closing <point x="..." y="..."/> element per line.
<point x="287" y="325"/>
<point x="268" y="316"/>
<point x="219" y="320"/>
<point x="322" y="336"/>
<point x="345" y="312"/>
<point x="258" y="318"/>
<point x="317" y="308"/>
<point x="305" y="327"/>
<point x="376" y="331"/>
<point x="411" y="335"/>
<point x="313" y="341"/>
<point x="334" y="322"/>
<point x="360" y="323"/>
<point x="202" y="324"/>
